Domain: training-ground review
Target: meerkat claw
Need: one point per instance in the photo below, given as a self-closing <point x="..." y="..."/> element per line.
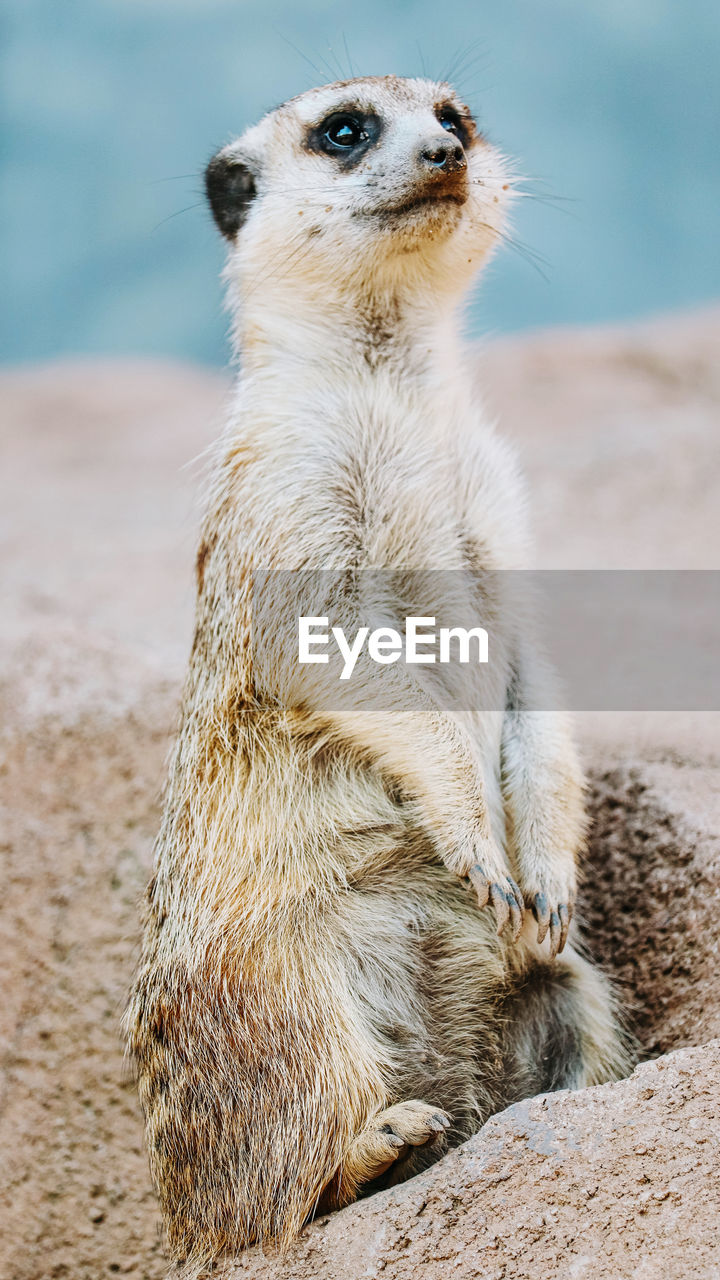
<point x="500" y="906"/>
<point x="480" y="883"/>
<point x="541" y="911"/>
<point x="565" y="914"/>
<point x="517" y="909"/>
<point x="555" y="933"/>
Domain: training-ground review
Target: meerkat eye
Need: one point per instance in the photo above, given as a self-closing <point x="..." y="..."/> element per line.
<point x="451" y="120"/>
<point x="345" y="135"/>
<point x="344" y="132"/>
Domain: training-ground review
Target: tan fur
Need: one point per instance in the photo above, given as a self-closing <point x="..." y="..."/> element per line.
<point x="319" y="990"/>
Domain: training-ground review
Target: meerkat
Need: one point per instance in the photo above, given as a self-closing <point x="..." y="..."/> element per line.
<point x="322" y="1005"/>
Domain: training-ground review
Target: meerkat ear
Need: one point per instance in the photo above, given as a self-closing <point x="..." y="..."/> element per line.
<point x="230" y="189"/>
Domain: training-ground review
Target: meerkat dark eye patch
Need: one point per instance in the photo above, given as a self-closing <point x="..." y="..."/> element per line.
<point x="345" y="135"/>
<point x="230" y="189"/>
<point x="462" y="125"/>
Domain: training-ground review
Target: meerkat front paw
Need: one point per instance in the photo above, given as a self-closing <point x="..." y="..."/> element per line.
<point x="486" y="869"/>
<point x="552" y="907"/>
<point x="479" y="861"/>
<point x="504" y="895"/>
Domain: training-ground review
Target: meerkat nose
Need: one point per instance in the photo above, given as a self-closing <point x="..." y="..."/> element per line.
<point x="443" y="155"/>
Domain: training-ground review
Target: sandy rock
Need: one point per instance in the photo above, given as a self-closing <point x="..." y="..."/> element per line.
<point x="97" y="524"/>
<point x="612" y="1182"/>
<point x="85" y="728"/>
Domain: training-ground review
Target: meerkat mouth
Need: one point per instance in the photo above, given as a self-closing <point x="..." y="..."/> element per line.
<point x="430" y="200"/>
<point x="436" y="198"/>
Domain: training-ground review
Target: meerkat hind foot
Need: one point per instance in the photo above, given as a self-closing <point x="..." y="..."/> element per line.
<point x="389" y="1137"/>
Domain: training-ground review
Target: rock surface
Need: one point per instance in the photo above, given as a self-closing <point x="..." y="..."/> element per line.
<point x="618" y="430"/>
<point x="604" y="1183"/>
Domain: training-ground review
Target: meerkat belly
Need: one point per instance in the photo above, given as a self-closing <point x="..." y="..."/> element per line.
<point x="328" y="814"/>
<point x="426" y="972"/>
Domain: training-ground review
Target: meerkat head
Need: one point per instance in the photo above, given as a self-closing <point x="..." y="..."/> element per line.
<point x="362" y="184"/>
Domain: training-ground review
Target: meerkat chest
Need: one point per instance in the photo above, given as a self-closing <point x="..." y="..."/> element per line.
<point x="369" y="471"/>
<point x="387" y="480"/>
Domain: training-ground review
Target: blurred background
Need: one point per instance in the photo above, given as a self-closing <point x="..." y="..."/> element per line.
<point x="112" y="107"/>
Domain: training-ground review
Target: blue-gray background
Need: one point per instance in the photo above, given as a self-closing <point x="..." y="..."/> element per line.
<point x="111" y="108"/>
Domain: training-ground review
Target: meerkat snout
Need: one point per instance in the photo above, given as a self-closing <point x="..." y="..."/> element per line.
<point x="439" y="155"/>
<point x="439" y="171"/>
